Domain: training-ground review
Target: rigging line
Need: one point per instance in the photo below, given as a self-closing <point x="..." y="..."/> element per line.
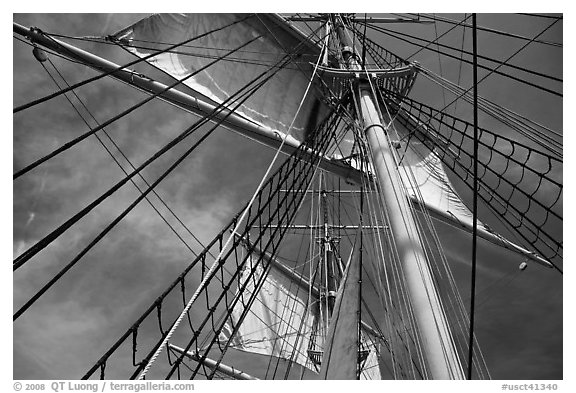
<point x="460" y="64"/>
<point x="82" y="83"/>
<point x="504" y="33"/>
<point x="33" y="250"/>
<point x="131" y="165"/>
<point x="541" y="16"/>
<point x="492" y="70"/>
<point x="103" y="233"/>
<point x="234" y="233"/>
<point x="360" y="249"/>
<point x="364" y="44"/>
<point x="313" y="32"/>
<point x="462" y="52"/>
<point x="493" y="293"/>
<point x="507" y="117"/>
<point x="475" y="200"/>
<point x="78" y="139"/>
<point x="439" y="59"/>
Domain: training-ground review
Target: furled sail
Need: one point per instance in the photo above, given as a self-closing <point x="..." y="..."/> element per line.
<point x="276" y="103"/>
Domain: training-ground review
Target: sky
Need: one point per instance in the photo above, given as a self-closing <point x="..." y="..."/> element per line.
<point x="519" y="313"/>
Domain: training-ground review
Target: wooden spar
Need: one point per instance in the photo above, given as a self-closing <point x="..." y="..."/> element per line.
<point x="224" y="369"/>
<point x="436" y="337"/>
<point x="201" y="106"/>
<point x="307" y="226"/>
<point x="361" y="20"/>
<point x="197" y="104"/>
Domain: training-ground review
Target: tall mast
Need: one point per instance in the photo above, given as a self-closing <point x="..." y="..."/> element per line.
<point x="328" y="250"/>
<point x="437" y="342"/>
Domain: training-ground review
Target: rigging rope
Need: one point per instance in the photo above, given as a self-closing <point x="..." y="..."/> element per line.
<point x="475" y="200"/>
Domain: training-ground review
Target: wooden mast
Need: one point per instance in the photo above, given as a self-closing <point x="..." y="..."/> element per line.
<point x="435" y="334"/>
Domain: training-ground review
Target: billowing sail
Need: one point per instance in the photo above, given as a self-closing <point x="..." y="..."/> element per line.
<point x="279" y="322"/>
<point x="424" y="177"/>
<point x="427" y="183"/>
<point x="371" y="367"/>
<point x="270" y="39"/>
<point x="283" y="320"/>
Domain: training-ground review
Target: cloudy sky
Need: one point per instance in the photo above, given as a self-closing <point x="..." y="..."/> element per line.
<point x="519" y="314"/>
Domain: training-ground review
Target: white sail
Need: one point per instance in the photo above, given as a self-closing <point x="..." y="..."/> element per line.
<point x="427" y="184"/>
<point x="279" y="322"/>
<point x="371" y="367"/>
<point x="276" y="103"/>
